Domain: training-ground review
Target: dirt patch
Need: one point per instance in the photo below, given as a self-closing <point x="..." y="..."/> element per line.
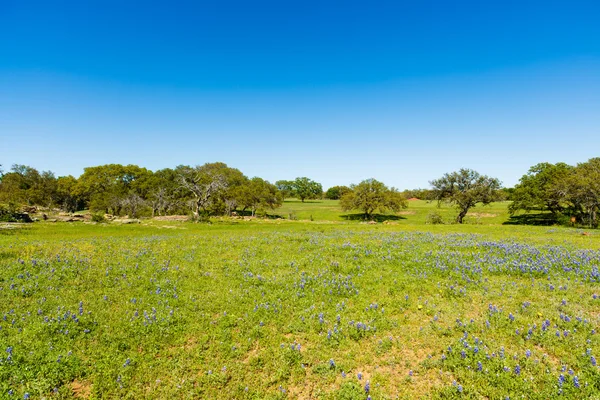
<point x="407" y="213"/>
<point x="171" y="218"/>
<point x="81" y="390"/>
<point x="482" y="215"/>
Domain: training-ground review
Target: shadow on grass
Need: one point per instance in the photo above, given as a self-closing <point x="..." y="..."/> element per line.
<point x="374" y="217"/>
<point x="542" y="219"/>
<point x="302" y="202"/>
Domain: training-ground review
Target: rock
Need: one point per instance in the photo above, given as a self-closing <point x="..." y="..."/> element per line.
<point x="23" y="217"/>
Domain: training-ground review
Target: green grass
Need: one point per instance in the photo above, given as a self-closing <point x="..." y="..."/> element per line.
<point x="274" y="309"/>
<point x="416" y="213"/>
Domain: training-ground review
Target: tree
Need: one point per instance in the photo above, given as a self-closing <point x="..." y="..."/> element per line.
<point x="259" y="194"/>
<point x="25" y="185"/>
<point x="286" y="188"/>
<point x="204" y="183"/>
<point x="581" y="188"/>
<point x="465" y="189"/>
<point x="371" y="195"/>
<point x="537" y="190"/>
<point x="132" y="203"/>
<point x="67" y="198"/>
<point x="336" y="192"/>
<point x="105" y="186"/>
<point x="306" y="189"/>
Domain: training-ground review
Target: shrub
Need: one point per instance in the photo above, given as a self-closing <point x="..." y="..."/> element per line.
<point x="98" y="217"/>
<point x="434" y="218"/>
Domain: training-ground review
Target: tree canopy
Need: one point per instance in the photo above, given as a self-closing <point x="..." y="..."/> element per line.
<point x="371" y="195"/>
<point x="465" y="188"/>
<point x="537" y="190"/>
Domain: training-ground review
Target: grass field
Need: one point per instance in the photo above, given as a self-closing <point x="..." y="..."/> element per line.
<point x="276" y="309"/>
<point x="416" y="213"/>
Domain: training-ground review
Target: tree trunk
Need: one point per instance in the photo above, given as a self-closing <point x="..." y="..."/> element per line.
<point x="461" y="215"/>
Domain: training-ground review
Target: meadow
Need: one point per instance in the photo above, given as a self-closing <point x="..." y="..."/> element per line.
<point x="332" y="308"/>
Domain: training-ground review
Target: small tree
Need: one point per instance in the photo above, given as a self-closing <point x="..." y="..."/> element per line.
<point x="465" y="189"/>
<point x="371" y="195"/>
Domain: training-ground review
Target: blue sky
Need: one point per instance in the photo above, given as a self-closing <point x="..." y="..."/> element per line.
<point x="338" y="91"/>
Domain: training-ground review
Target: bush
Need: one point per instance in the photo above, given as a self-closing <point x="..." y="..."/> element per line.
<point x="98" y="217"/>
<point x="434" y="218"/>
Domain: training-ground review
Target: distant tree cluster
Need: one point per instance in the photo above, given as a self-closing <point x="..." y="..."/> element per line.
<point x="211" y="189"/>
<point x="569" y="193"/>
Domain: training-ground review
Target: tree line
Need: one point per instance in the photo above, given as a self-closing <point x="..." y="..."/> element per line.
<point x="568" y="193"/>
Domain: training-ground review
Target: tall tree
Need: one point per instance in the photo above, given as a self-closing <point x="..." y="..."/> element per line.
<point x="465" y="188"/>
<point x="371" y="195"/>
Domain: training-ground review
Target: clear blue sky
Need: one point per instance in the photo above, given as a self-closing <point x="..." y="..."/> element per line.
<point x="339" y="91"/>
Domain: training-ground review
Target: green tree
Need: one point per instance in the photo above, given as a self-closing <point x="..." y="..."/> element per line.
<point x="26" y="185"/>
<point x="106" y="186"/>
<point x="581" y="188"/>
<point x="371" y="195"/>
<point x="537" y="190"/>
<point x="204" y="183"/>
<point x="336" y="192"/>
<point x="66" y="191"/>
<point x="306" y="189"/>
<point x="465" y="189"/>
<point x="286" y="188"/>
<point x="259" y="194"/>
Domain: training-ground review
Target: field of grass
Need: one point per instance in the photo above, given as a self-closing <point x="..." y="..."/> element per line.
<point x="278" y="309"/>
<point x="416" y="213"/>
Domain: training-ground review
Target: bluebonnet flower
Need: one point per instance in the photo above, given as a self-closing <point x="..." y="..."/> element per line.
<point x="528" y="353"/>
<point x="459" y="388"/>
<point x="561" y="380"/>
<point x="593" y="361"/>
<point x="127" y="362"/>
<point x="331" y="363"/>
<point x="26" y="396"/>
<point x="576" y="382"/>
<point x="359" y="376"/>
<point x="479" y="366"/>
<point x="367" y="387"/>
<point x="518" y="369"/>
